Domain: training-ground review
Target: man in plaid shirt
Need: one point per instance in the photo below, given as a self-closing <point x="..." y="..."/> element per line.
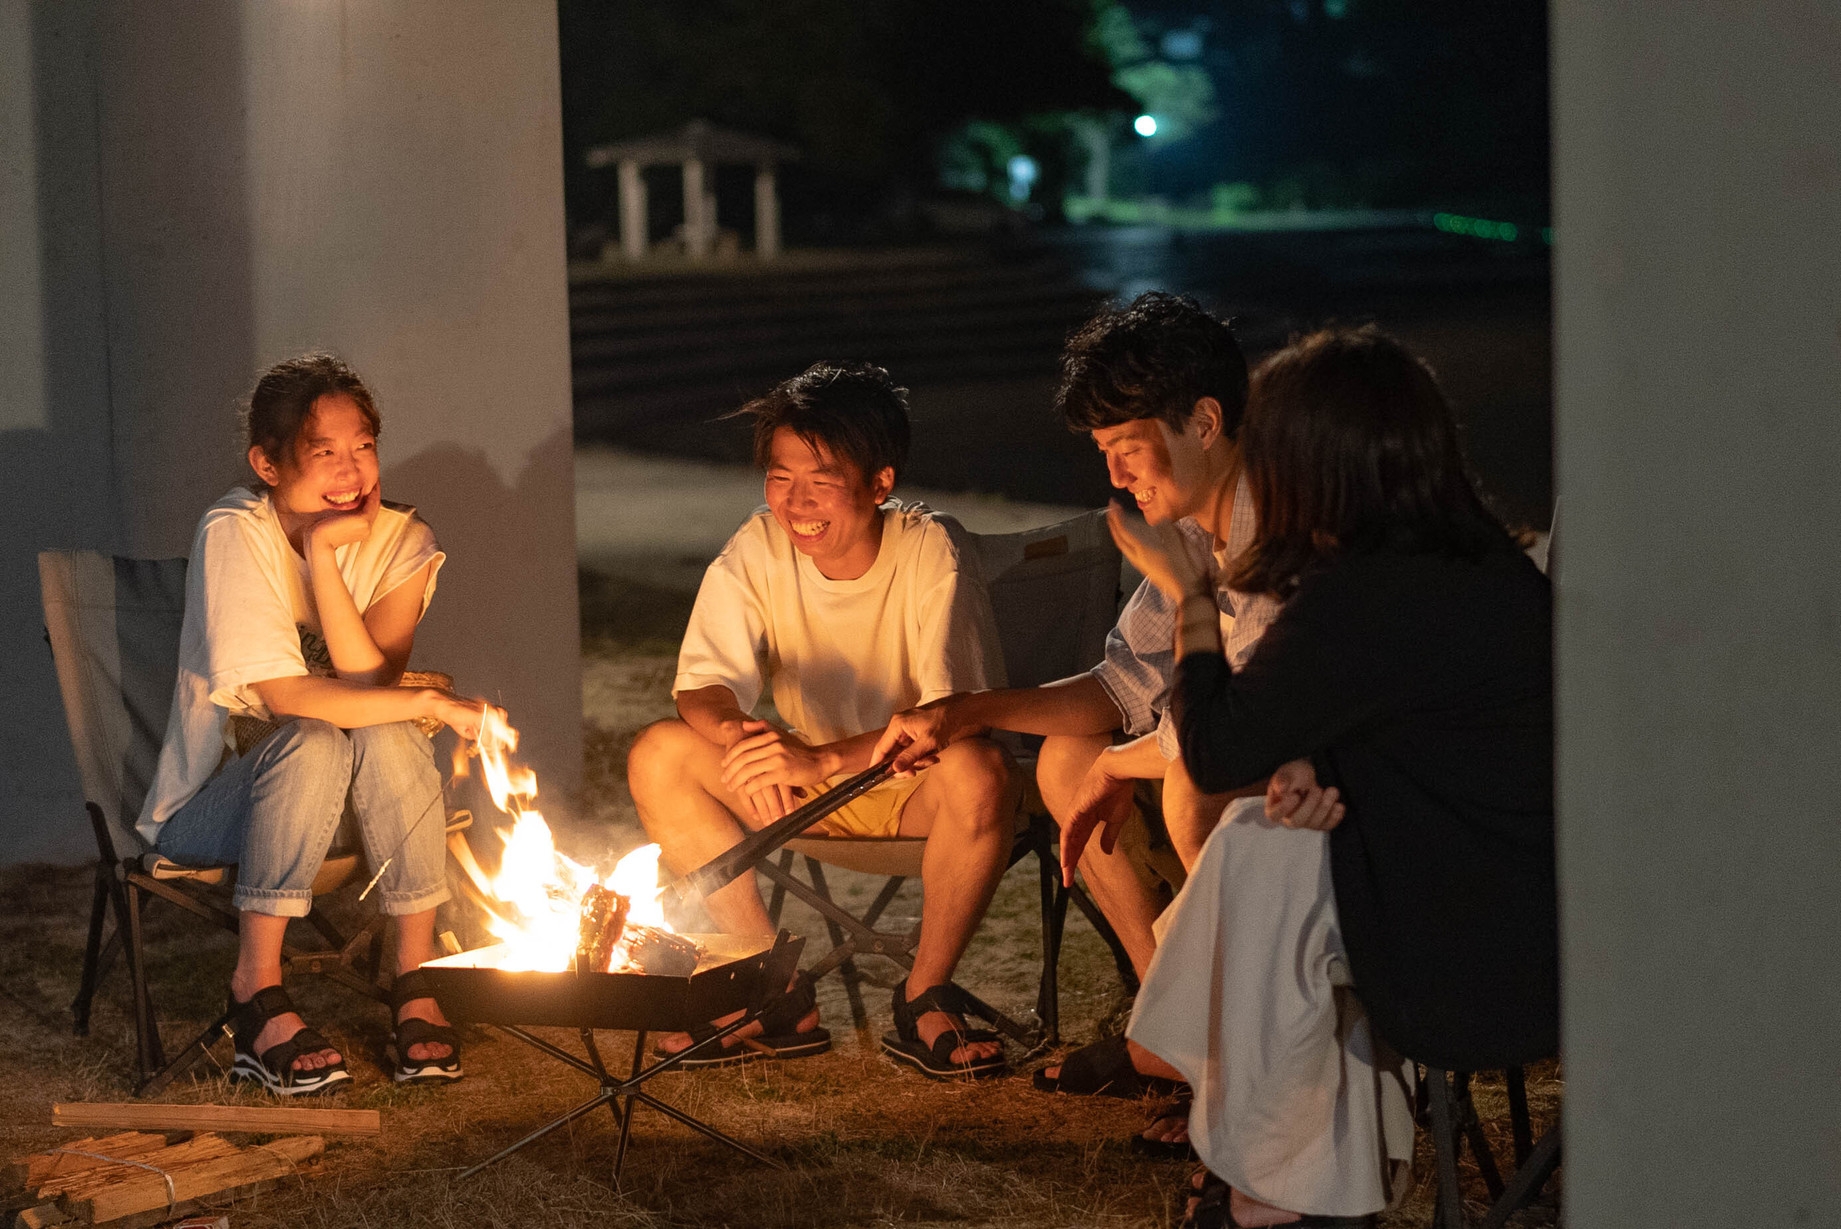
<point x="1160" y="386"/>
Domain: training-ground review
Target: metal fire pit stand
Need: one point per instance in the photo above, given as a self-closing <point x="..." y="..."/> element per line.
<point x="621" y="1095"/>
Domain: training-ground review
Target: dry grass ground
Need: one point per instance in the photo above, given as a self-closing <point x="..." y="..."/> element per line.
<point x="862" y="1143"/>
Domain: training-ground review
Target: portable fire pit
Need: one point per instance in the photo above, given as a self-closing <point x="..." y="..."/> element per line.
<point x="731" y="975"/>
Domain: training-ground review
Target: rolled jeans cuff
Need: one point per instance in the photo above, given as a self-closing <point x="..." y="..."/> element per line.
<point x="275" y="902"/>
<point x="401" y="904"/>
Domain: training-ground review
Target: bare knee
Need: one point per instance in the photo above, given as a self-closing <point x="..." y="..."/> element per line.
<point x="1061" y="764"/>
<point x="980" y="779"/>
<point x="665" y="761"/>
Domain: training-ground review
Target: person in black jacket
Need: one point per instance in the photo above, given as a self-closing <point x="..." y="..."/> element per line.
<point x="1397" y="896"/>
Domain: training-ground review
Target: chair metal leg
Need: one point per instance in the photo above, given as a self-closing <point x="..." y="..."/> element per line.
<point x="853" y="980"/>
<point x="778" y="898"/>
<point x="1054" y="918"/>
<point x="92" y="951"/>
<point x="1519" y="1123"/>
<point x="1527" y="1182"/>
<point x="1471" y="1129"/>
<point x="148" y="1053"/>
<point x="1449" y="1211"/>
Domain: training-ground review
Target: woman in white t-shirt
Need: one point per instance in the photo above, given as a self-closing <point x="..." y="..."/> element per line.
<point x="302" y="601"/>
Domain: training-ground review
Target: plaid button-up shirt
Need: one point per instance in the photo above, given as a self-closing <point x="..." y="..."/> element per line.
<point x="1141" y="649"/>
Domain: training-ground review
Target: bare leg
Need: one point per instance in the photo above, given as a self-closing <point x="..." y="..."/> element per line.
<point x="259" y="937"/>
<point x="1111" y="880"/>
<point x="675" y="775"/>
<point x="1114" y="884"/>
<point x="1191" y="815"/>
<point x="415" y="946"/>
<point x="965" y="806"/>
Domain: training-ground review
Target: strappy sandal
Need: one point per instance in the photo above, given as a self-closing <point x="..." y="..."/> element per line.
<point x="416" y="1031"/>
<point x="1167" y="1149"/>
<point x="1103" y="1069"/>
<point x="779" y="1036"/>
<point x="274" y="1067"/>
<point x="1214" y="1209"/>
<point x="904" y="1045"/>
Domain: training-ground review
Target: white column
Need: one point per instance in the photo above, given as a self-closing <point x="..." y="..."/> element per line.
<point x="633" y="221"/>
<point x="196" y="177"/>
<point x="766" y="213"/>
<point x="1698" y="412"/>
<point x="698" y="222"/>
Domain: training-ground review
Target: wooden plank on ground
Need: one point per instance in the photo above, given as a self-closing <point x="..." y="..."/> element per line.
<point x="150" y="1191"/>
<point x="32" y="1171"/>
<point x="80" y="1185"/>
<point x="260" y="1119"/>
<point x="42" y="1217"/>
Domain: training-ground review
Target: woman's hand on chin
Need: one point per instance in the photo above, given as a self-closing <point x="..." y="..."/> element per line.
<point x="336" y="529"/>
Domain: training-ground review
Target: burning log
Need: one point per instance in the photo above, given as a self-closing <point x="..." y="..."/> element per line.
<point x="603" y="921"/>
<point x="661" y="953"/>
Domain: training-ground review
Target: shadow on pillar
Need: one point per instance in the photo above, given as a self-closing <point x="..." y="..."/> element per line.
<point x="144" y="311"/>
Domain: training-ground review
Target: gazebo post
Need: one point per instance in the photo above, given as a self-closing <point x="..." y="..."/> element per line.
<point x="698" y="225"/>
<point x="766" y="213"/>
<point x="632" y="210"/>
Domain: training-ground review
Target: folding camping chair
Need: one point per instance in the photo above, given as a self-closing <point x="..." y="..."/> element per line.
<point x="1055" y="591"/>
<point x="113" y="625"/>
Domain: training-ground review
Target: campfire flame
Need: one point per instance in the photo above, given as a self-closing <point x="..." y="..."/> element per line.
<point x="535" y="901"/>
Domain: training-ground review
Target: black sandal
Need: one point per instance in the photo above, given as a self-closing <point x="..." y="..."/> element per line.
<point x="416" y="1031"/>
<point x="274" y="1067"/>
<point x="1103" y="1069"/>
<point x="779" y="1036"/>
<point x="1167" y="1149"/>
<point x="935" y="1061"/>
<point x="1214" y="1209"/>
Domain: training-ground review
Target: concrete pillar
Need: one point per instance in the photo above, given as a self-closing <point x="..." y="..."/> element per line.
<point x="1698" y="407"/>
<point x="633" y="220"/>
<point x="699" y="211"/>
<point x="205" y="187"/>
<point x="766" y="213"/>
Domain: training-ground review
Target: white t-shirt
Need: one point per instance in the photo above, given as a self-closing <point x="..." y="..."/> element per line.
<point x="843" y="656"/>
<point x="250" y="617"/>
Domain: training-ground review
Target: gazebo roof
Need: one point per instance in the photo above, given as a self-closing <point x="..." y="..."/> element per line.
<point x="699" y="139"/>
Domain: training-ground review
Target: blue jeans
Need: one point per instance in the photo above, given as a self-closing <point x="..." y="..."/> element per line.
<point x="275" y="812"/>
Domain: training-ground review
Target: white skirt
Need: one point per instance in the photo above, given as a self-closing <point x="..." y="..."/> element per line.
<point x="1297" y="1103"/>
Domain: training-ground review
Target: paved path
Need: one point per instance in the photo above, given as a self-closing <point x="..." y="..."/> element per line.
<point x="661" y="520"/>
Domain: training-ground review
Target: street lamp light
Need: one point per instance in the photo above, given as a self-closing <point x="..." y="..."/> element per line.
<point x="1145" y="125"/>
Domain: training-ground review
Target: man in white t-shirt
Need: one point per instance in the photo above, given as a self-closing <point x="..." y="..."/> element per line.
<point x="848" y="608"/>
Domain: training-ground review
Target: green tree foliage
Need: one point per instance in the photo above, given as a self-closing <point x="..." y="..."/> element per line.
<point x="866" y="88"/>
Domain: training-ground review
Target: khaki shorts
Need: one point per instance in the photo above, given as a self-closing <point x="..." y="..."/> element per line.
<point x="877" y="813"/>
<point x="1153" y="862"/>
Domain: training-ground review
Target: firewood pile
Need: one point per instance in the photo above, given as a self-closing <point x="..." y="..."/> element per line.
<point x="170" y="1163"/>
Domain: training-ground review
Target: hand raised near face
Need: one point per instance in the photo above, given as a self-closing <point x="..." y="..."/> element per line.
<point x="336" y="529"/>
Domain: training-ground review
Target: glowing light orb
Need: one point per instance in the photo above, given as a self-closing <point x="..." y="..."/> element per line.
<point x="1145" y="125"/>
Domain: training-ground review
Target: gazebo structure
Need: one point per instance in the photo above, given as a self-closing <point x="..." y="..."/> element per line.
<point x="698" y="147"/>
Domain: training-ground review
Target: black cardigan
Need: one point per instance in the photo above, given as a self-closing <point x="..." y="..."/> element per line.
<point x="1421" y="686"/>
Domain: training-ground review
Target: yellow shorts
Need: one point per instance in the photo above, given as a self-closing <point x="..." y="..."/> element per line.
<point x="877" y="813"/>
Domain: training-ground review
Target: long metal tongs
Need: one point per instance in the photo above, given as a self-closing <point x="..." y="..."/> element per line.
<point x="729" y="865"/>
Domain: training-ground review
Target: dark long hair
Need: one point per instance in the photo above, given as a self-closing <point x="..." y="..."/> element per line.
<point x="1351" y="447"/>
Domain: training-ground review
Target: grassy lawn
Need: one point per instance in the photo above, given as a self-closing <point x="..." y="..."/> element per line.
<point x="862" y="1142"/>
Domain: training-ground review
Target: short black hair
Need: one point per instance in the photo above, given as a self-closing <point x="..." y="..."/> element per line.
<point x="855" y="410"/>
<point x="1154" y="358"/>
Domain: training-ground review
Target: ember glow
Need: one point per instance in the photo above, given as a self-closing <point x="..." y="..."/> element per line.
<point x="536" y="897"/>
